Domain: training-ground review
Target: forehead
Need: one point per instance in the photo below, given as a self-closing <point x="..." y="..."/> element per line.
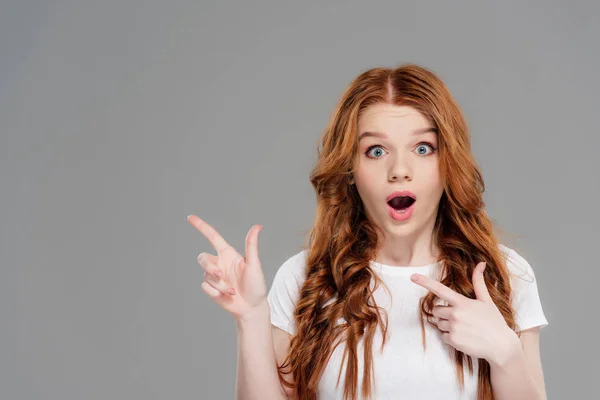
<point x="390" y="117"/>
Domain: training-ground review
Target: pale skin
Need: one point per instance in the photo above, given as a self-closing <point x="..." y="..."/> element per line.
<point x="477" y="328"/>
<point x="237" y="284"/>
<point x="398" y="150"/>
<point x="403" y="155"/>
<point x="405" y="159"/>
<point x="474" y="326"/>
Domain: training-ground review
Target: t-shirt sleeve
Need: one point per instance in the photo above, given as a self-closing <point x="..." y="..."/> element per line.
<point x="526" y="300"/>
<point x="285" y="292"/>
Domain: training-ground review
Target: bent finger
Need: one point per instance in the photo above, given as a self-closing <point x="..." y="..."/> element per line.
<point x="443" y="325"/>
<point x="208" y="263"/>
<point x="219" y="284"/>
<point x="441" y="311"/>
<point x="210" y="291"/>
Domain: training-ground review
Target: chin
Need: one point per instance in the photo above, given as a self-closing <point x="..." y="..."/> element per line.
<point x="401" y="229"/>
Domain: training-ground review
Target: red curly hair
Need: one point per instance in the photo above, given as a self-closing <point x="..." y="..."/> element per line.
<point x="343" y="241"/>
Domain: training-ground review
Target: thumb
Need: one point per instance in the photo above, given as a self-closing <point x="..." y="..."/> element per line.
<point x="252" y="244"/>
<point x="481" y="290"/>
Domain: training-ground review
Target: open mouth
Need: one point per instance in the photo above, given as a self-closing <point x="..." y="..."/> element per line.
<point x="401" y="203"/>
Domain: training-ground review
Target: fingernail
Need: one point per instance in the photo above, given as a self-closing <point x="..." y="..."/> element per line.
<point x="218" y="273"/>
<point x="231" y="291"/>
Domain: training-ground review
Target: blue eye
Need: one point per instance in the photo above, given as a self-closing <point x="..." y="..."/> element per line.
<point x="420" y="152"/>
<point x="423" y="145"/>
<point x="369" y="150"/>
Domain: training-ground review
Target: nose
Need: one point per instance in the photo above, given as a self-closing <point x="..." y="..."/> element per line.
<point x="400" y="170"/>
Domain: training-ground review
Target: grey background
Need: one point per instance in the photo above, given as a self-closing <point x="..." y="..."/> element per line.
<point x="120" y="118"/>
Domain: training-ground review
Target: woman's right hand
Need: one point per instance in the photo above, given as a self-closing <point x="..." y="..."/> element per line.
<point x="234" y="282"/>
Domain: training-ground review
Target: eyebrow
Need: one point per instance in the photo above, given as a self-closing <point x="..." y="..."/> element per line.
<point x="384" y="136"/>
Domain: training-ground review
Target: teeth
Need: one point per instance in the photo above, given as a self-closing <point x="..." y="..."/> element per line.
<point x="400" y="211"/>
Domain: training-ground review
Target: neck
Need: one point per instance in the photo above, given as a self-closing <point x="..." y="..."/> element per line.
<point x="415" y="250"/>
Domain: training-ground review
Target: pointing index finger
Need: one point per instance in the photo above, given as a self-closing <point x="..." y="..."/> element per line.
<point x="209" y="232"/>
<point x="441" y="290"/>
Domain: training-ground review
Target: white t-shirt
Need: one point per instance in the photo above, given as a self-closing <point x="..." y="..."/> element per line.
<point x="404" y="370"/>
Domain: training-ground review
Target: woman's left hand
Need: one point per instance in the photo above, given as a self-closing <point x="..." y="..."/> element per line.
<point x="474" y="326"/>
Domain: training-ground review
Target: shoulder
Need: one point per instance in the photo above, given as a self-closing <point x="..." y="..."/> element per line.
<point x="285" y="291"/>
<point x="294" y="268"/>
<point x="518" y="267"/>
<point x="289" y="277"/>
<point x="525" y="297"/>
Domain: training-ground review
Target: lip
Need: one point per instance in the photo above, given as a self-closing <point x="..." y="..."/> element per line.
<point x="403" y="216"/>
<point x="401" y="193"/>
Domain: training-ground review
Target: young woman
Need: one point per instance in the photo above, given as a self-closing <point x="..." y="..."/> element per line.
<point x="403" y="290"/>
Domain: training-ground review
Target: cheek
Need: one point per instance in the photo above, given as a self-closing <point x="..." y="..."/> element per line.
<point x="366" y="179"/>
<point x="432" y="186"/>
<point x="367" y="189"/>
<point x="432" y="175"/>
